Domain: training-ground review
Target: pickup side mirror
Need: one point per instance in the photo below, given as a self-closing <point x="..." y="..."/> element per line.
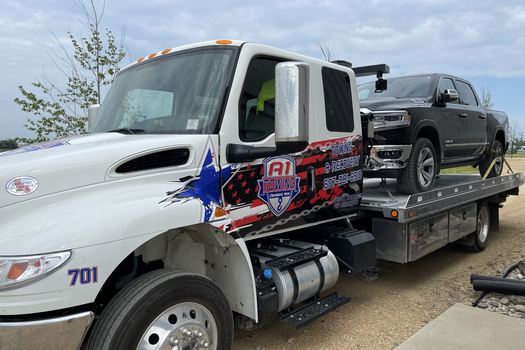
<point x="449" y="95"/>
<point x="92" y="115"/>
<point x="291" y="106"/>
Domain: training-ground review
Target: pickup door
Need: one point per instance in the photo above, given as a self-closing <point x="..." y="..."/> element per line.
<point x="477" y="118"/>
<point x="463" y="123"/>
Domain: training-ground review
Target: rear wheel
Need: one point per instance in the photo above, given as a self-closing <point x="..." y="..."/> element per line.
<point x="497" y="154"/>
<point x="420" y="172"/>
<point x="165" y="310"/>
<point x="477" y="241"/>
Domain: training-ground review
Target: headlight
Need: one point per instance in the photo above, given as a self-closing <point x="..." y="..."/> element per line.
<point x="385" y="120"/>
<point x="16" y="271"/>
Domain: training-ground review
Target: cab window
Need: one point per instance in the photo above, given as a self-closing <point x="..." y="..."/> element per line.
<point x="257" y="101"/>
<point x="466" y="94"/>
<point x="337" y="100"/>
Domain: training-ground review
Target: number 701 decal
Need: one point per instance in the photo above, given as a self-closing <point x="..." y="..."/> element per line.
<point x="84" y="275"/>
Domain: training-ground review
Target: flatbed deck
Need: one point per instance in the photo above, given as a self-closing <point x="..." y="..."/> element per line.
<point x="449" y="191"/>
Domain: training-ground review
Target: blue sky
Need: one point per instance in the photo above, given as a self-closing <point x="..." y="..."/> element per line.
<point x="480" y="40"/>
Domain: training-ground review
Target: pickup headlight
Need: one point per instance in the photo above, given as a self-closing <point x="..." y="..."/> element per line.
<point x="16" y="271"/>
<point x="385" y="120"/>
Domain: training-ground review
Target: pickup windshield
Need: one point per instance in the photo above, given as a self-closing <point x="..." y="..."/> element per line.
<point x="403" y="87"/>
<point x="176" y="94"/>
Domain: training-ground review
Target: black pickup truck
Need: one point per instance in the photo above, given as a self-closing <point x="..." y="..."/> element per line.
<point x="424" y="123"/>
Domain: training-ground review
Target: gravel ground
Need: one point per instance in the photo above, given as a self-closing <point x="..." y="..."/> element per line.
<point x="385" y="312"/>
<point x="512" y="305"/>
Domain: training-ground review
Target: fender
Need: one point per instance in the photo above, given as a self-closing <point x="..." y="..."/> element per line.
<point x="422" y="124"/>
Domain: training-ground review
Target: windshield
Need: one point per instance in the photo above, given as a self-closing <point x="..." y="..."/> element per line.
<point x="420" y="86"/>
<point x="178" y="94"/>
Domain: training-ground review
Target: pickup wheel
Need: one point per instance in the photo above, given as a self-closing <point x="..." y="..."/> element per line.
<point x="496" y="153"/>
<point x="165" y="309"/>
<point x="420" y="172"/>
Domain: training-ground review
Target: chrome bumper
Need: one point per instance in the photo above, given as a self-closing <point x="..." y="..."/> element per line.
<point x="64" y="333"/>
<point x="388" y="157"/>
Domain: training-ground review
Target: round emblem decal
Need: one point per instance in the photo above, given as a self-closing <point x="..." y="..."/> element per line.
<point x="22" y="185"/>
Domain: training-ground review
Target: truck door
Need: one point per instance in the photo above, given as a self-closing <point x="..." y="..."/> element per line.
<point x="453" y="123"/>
<point x="287" y="191"/>
<point x="476" y="132"/>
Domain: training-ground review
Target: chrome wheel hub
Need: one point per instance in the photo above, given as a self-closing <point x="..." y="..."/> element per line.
<point x="483" y="224"/>
<point x="185" y="326"/>
<point x="425" y="167"/>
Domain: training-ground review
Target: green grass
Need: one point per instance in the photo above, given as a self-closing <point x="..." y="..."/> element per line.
<point x="470" y="170"/>
<point x="461" y="170"/>
<point x="516" y="155"/>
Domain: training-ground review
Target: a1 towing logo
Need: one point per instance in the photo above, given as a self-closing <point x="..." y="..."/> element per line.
<point x="279" y="184"/>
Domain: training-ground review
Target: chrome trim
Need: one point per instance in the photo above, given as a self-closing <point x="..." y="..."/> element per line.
<point x="452" y="145"/>
<point x="376" y="163"/>
<point x="64" y="333"/>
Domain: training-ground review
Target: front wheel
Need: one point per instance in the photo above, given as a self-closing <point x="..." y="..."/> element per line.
<point x="165" y="310"/>
<point x="496" y="155"/>
<point x="420" y="172"/>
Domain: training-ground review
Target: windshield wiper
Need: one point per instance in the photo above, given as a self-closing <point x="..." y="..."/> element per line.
<point x="128" y="131"/>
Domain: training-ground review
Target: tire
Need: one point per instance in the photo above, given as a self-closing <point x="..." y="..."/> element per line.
<point x="497" y="152"/>
<point x="477" y="241"/>
<point x="165" y="308"/>
<point x="420" y="172"/>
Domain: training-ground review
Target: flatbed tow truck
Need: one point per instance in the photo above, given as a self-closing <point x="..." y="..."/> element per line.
<point x="221" y="185"/>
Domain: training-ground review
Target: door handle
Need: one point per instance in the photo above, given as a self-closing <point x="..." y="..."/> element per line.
<point x="310" y="181"/>
<point x="481" y="116"/>
<point x="463" y="115"/>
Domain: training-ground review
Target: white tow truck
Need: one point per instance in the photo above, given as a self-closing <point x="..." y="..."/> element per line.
<point x="221" y="183"/>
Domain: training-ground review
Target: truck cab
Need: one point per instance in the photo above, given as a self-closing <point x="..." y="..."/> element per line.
<point x="195" y="152"/>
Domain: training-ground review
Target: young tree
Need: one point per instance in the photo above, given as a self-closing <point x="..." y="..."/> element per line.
<point x="325" y="50"/>
<point x="486" y="99"/>
<point x="516" y="138"/>
<point x="88" y="65"/>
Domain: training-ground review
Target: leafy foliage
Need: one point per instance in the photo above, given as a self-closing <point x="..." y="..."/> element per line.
<point x="8" y="144"/>
<point x="486" y="99"/>
<point x="516" y="138"/>
<point x="88" y="64"/>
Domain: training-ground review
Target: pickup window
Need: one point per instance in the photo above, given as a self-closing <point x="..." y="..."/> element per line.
<point x="466" y="94"/>
<point x="337" y="100"/>
<point x="257" y="102"/>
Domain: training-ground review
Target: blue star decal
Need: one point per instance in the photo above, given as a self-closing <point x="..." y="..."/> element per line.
<point x="206" y="186"/>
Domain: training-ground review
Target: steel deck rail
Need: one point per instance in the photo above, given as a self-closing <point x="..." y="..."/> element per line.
<point x="450" y="191"/>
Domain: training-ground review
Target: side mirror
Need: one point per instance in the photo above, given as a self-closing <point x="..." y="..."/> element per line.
<point x="92" y="115"/>
<point x="381" y="85"/>
<point x="291" y="106"/>
<point x="449" y="95"/>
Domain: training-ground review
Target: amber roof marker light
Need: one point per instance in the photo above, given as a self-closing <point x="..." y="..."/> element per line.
<point x="223" y="42"/>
